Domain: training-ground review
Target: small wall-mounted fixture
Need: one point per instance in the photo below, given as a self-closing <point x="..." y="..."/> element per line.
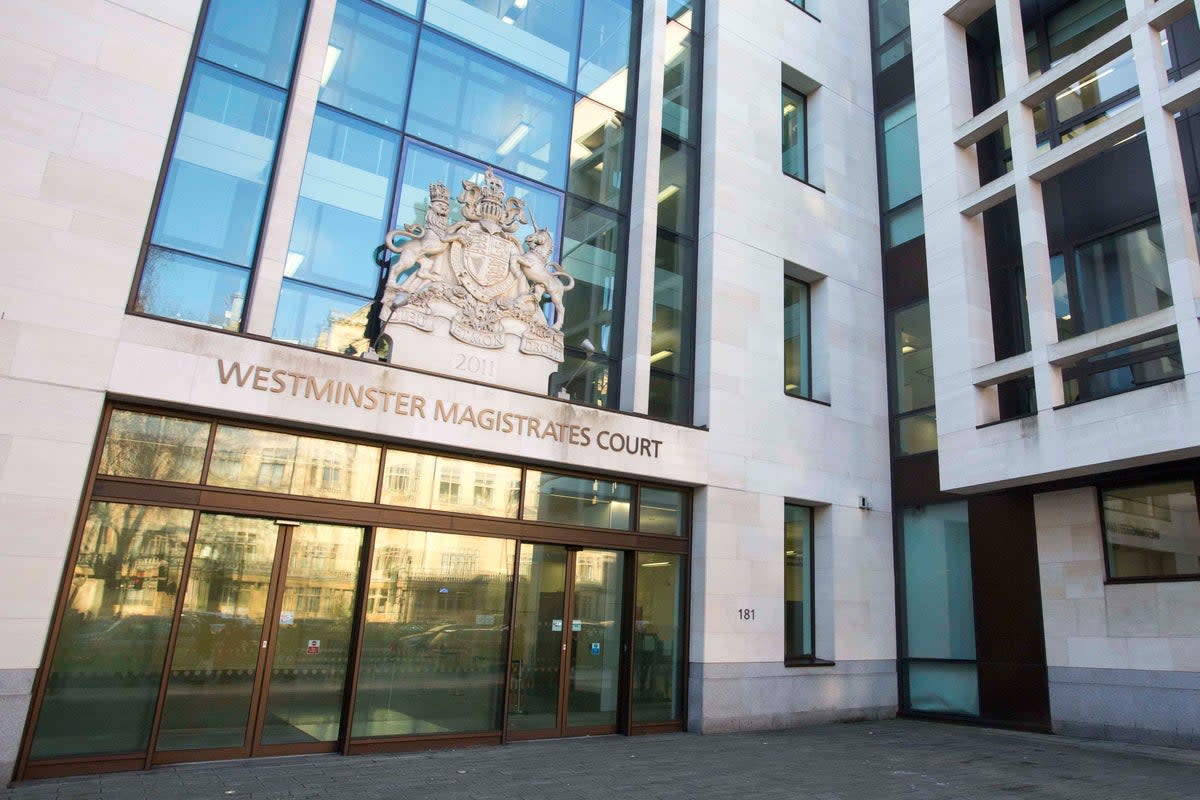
<point x="864" y="503"/>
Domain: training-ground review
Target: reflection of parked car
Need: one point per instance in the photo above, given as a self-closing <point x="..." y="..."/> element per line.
<point x="456" y="646"/>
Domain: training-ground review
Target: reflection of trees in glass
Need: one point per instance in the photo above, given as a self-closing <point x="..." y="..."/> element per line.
<point x="130" y="557"/>
<point x="109" y="654"/>
<point x="142" y="445"/>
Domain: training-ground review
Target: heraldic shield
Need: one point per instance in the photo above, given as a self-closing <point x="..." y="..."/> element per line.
<point x="475" y="283"/>
<point x="480" y="261"/>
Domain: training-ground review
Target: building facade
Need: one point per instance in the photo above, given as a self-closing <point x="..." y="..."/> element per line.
<point x="421" y="373"/>
<point x="300" y="487"/>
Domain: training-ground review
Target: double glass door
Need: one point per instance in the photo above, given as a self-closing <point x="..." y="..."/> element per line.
<point x="567" y="648"/>
<point x="261" y="645"/>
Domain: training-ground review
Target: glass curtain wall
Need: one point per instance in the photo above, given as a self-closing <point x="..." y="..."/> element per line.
<point x="411" y="93"/>
<point x="204" y="236"/>
<point x="433" y="608"/>
<point x="672" y="335"/>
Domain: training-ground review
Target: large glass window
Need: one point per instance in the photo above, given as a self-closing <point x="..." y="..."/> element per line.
<point x="577" y="501"/>
<point x="939" y="618"/>
<point x="108" y="658"/>
<point x="1120" y="277"/>
<point x="797" y="338"/>
<point x="658" y="653"/>
<point x="1081" y="23"/>
<point x="594" y="242"/>
<point x="343" y="206"/>
<point x="662" y="511"/>
<point x="436" y="634"/>
<point x="670" y="345"/>
<point x="488" y="110"/>
<point x="156" y="447"/>
<point x="798" y="574"/>
<point x="540" y="36"/>
<point x="795" y="133"/>
<point x="1152" y="530"/>
<point x="368" y="63"/>
<point x="270" y="461"/>
<point x="604" y="52"/>
<point x="206" y="230"/>
<point x="597" y="153"/>
<point x="422" y="480"/>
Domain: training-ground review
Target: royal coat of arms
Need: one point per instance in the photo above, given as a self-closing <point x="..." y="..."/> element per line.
<point x="477" y="275"/>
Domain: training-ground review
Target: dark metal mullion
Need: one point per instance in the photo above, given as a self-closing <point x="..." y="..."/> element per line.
<point x="185" y="571"/>
<point x="357" y="635"/>
<point x="270" y="632"/>
<point x="515" y="585"/>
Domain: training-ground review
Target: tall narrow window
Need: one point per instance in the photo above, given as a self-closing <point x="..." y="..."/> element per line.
<point x="797" y="338"/>
<point x="204" y="239"/>
<point x="798" y="583"/>
<point x="938" y="640"/>
<point x="795" y="133"/>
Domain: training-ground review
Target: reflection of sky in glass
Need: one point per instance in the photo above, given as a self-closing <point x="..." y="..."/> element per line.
<point x="488" y="110"/>
<point x="540" y="36"/>
<point x="256" y="39"/>
<point x="216" y="183"/>
<point x="605" y="51"/>
<point x="367" y="62"/>
<point x="194" y="289"/>
<point x="319" y="318"/>
<point x="424" y="165"/>
<point x="342" y="212"/>
<point x="591" y="243"/>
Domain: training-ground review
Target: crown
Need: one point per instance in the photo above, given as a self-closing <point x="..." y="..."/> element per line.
<point x="491" y="204"/>
<point x="438" y="191"/>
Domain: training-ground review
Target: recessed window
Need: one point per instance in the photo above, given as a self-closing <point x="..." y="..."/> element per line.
<point x="797" y="338"/>
<point x="914" y="422"/>
<point x="1111" y="280"/>
<point x="795" y="133"/>
<point x="798" y="582"/>
<point x="1152" y="530"/>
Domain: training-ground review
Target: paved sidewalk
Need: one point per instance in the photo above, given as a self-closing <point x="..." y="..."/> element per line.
<point x="859" y="761"/>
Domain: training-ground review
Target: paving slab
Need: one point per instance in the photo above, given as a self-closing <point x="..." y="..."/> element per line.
<point x="906" y="759"/>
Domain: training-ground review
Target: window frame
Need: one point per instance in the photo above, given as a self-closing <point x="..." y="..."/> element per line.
<point x="803" y="659"/>
<point x="802" y="108"/>
<point x="1157" y="480"/>
<point x="1070" y="265"/>
<point x="807" y="356"/>
<point x="172" y="144"/>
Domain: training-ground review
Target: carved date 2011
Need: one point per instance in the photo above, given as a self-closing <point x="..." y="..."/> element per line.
<point x="474" y="365"/>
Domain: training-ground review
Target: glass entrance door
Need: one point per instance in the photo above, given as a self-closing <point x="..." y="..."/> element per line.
<point x="567" y="647"/>
<point x="262" y="643"/>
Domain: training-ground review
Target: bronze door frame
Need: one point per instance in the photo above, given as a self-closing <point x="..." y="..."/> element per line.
<point x="561" y="728"/>
<point x="252" y="746"/>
